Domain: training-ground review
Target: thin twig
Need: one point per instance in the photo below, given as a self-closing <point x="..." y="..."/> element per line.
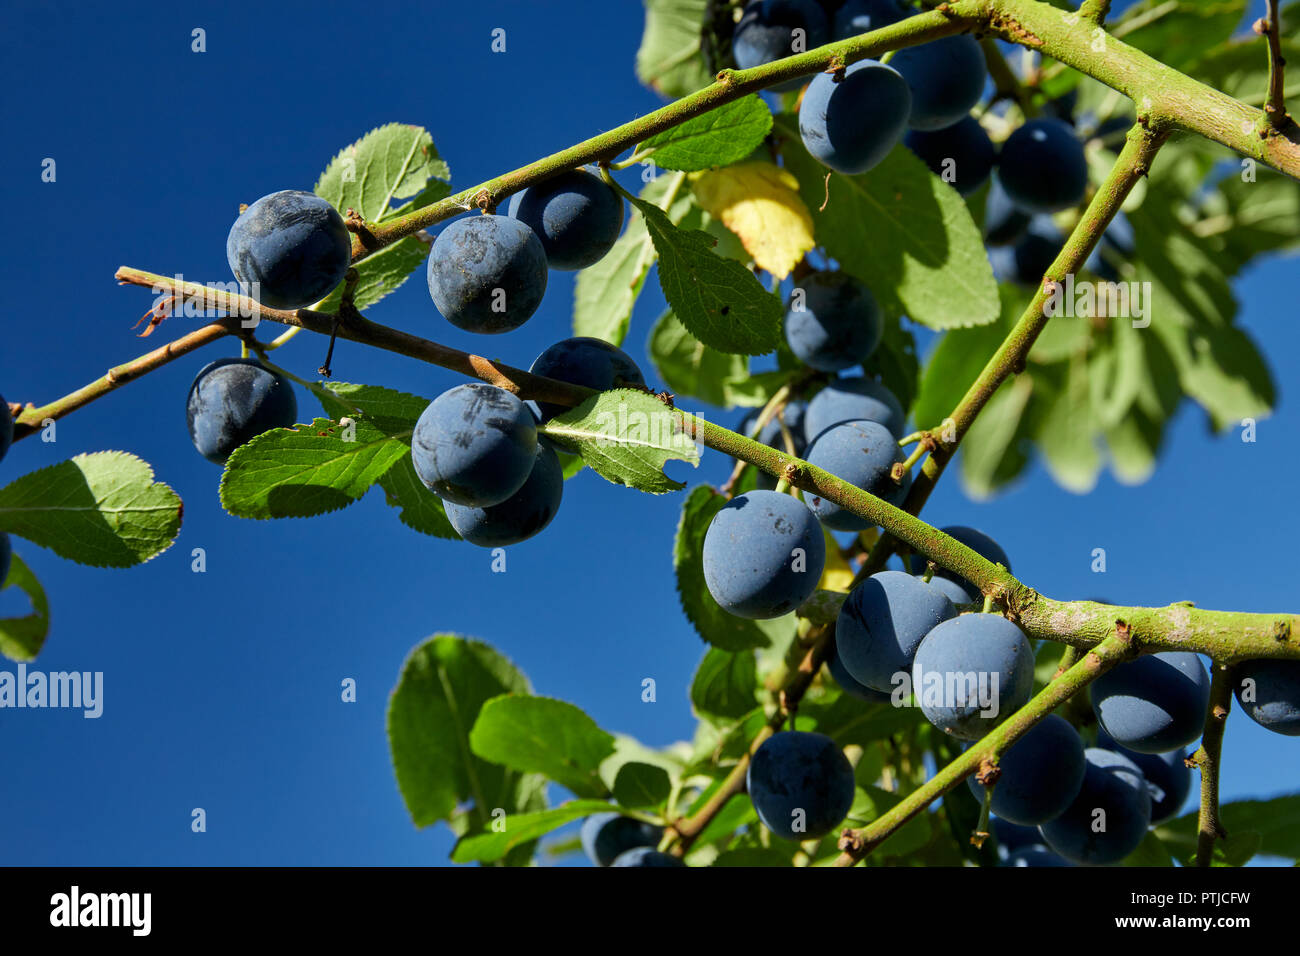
<point x="1207" y="759"/>
<point x="1275" y="105"/>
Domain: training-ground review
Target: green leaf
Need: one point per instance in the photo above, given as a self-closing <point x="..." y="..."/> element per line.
<point x="444" y="684"/>
<point x="394" y="162"/>
<point x="103" y="509"/>
<point x="756" y="389"/>
<point x="850" y="721"/>
<point x="1221" y="369"/>
<point x="542" y="735"/>
<point x="669" y="59"/>
<point x="605" y="293"/>
<point x="689" y="367"/>
<point x="1065" y="431"/>
<point x="309" y="469"/>
<point x="382" y="271"/>
<point x="724" y="685"/>
<point x="1268" y="827"/>
<point x="1150" y="852"/>
<point x="627" y="437"/>
<point x="1245" y="219"/>
<point x="630" y="750"/>
<point x="895" y="362"/>
<point x="388" y="410"/>
<point x="1134" y="444"/>
<point x="421" y="509"/>
<point x="21" y="638"/>
<point x="903" y="232"/>
<point x="718" y="300"/>
<point x="1185" y="30"/>
<point x="716" y="626"/>
<point x="735" y="814"/>
<point x="1237" y="69"/>
<point x="641" y="785"/>
<point x="957" y="361"/>
<point x="393" y="413"/>
<point x="390" y="162"/>
<point x="720" y="137"/>
<point x="570" y="464"/>
<point x="990" y="454"/>
<point x="520" y="829"/>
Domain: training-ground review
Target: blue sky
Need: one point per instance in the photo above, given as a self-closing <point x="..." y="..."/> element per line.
<point x="223" y="688"/>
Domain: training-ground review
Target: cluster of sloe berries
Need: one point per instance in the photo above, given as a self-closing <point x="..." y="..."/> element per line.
<point x="476" y="446"/>
<point x="924" y="96"/>
<point x="900" y="635"/>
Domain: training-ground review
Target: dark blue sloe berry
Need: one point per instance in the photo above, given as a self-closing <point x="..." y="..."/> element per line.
<point x="576" y="215"/>
<point x="475" y="445"/>
<point x="763" y="555"/>
<point x="862" y="453"/>
<point x="293" y="245"/>
<point x="521" y="516"/>
<point x="971" y="672"/>
<point x="832" y="322"/>
<point x="585" y="361"/>
<point x="961" y="154"/>
<point x="1042" y="166"/>
<point x="850" y="123"/>
<point x="605" y="836"/>
<point x="234" y="400"/>
<point x="1155" y="703"/>
<point x="487" y="274"/>
<point x="1109" y="818"/>
<point x="1040" y="774"/>
<point x="801" y="784"/>
<point x="1269" y="693"/>
<point x="881" y="624"/>
<point x="850" y="399"/>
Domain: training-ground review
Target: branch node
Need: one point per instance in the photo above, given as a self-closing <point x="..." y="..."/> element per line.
<point x="988" y="773"/>
<point x="356" y="223"/>
<point x="853" y="843"/>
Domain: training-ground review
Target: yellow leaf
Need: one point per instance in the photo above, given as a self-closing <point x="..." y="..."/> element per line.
<point x="760" y="203"/>
<point x="837" y="575"/>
